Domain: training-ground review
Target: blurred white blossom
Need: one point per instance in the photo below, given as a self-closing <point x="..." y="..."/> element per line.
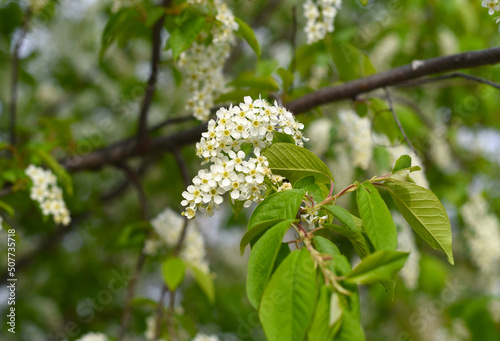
<point x="204" y="337"/>
<point x="319" y="132"/>
<point x="93" y="337"/>
<point x="483" y="239"/>
<point x="320" y="15"/>
<point x="48" y="195"/>
<point x="406" y="242"/>
<point x="357" y="132"/>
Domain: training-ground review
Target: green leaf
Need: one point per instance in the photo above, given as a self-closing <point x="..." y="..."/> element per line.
<point x="294" y="163"/>
<point x="7" y="208"/>
<point x="356" y="237"/>
<point x="341" y="265"/>
<point x="288" y="301"/>
<point x="403" y="162"/>
<point x="248" y="79"/>
<point x="286" y="78"/>
<point x="342" y="215"/>
<point x="173" y="270"/>
<point x="282" y="137"/>
<point x="347" y="60"/>
<point x="376" y="217"/>
<point x="133" y="234"/>
<point x="377" y="267"/>
<point x="275" y="208"/>
<point x="204" y="281"/>
<point x="182" y="37"/>
<point x="321" y="327"/>
<point x="304" y="182"/>
<point x="351" y="329"/>
<point x="58" y="170"/>
<point x="425" y="214"/>
<point x="363" y="2"/>
<point x="283" y="252"/>
<point x="246" y="32"/>
<point x="261" y="261"/>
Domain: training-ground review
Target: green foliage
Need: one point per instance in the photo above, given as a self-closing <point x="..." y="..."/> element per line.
<point x="184" y="35"/>
<point x="246" y="32"/>
<point x="425" y="214"/>
<point x="378" y="267"/>
<point x="288" y="301"/>
<point x="173" y="271"/>
<point x="295" y="163"/>
<point x="376" y="217"/>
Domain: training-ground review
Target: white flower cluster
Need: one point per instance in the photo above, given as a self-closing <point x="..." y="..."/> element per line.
<point x="93" y="337"/>
<point x="204" y="337"/>
<point x="484" y="240"/>
<point x="320" y="15"/>
<point x="48" y="195"/>
<point x="252" y="122"/>
<point x="203" y="62"/>
<point x="168" y="225"/>
<point x="357" y="131"/>
<point x="493" y="6"/>
<point x="406" y="242"/>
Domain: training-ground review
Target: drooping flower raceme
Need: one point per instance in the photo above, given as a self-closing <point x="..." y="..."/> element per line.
<point x="231" y="169"/>
<point x="48" y="195"/>
<point x="483" y="240"/>
<point x="320" y="15"/>
<point x="204" y="60"/>
<point x="357" y="131"/>
<point x="168" y="226"/>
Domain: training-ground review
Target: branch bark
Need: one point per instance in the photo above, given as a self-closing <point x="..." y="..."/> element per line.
<point x="120" y="151"/>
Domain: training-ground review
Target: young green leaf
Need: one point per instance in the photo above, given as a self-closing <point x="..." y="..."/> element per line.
<point x="341" y="265"/>
<point x="275" y="208"/>
<point x="403" y="162"/>
<point x="376" y="217"/>
<point x="248" y="79"/>
<point x="7" y="208"/>
<point x="173" y="270"/>
<point x="286" y="78"/>
<point x="425" y="214"/>
<point x="351" y="329"/>
<point x="288" y="301"/>
<point x="282" y="137"/>
<point x="356" y="237"/>
<point x="379" y="266"/>
<point x="322" y="327"/>
<point x="342" y="215"/>
<point x="182" y="37"/>
<point x="261" y="261"/>
<point x="204" y="281"/>
<point x="294" y="163"/>
<point x="363" y="2"/>
<point x="246" y="32"/>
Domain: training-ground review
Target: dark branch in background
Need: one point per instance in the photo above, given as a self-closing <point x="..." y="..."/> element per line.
<point x="153" y="79"/>
<point x="128" y="148"/>
<point x="398" y="122"/>
<point x="424" y="81"/>
<point x="350" y="90"/>
<point x="14" y="77"/>
<point x="135" y="180"/>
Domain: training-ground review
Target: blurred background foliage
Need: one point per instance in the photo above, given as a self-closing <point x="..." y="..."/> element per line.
<point x="76" y="95"/>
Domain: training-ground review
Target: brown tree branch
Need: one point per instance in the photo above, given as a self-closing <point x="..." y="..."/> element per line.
<point x="152" y="81"/>
<point x="129" y="148"/>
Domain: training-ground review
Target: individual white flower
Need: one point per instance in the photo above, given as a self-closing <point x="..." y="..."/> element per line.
<point x="492" y="6"/>
<point x="483" y="239"/>
<point x="93" y="337"/>
<point x="357" y="132"/>
<point x="232" y="170"/>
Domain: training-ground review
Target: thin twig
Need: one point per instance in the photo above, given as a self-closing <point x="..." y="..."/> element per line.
<point x="14" y="77"/>
<point x="136" y="182"/>
<point x="396" y="118"/>
<point x="428" y="80"/>
<point x="159" y="312"/>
